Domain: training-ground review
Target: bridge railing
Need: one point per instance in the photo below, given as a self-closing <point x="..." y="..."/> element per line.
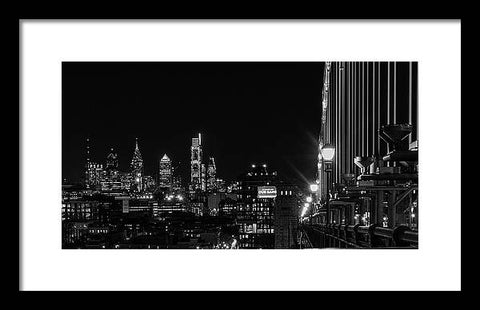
<point x="356" y="236"/>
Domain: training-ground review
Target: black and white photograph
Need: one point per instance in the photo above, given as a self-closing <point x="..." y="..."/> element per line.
<point x="239" y="155"/>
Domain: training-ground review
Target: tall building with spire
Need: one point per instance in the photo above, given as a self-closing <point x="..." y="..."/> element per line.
<point x="211" y="175"/>
<point x="165" y="172"/>
<point x="136" y="167"/>
<point x="197" y="172"/>
<point x="112" y="161"/>
<point x="111" y="166"/>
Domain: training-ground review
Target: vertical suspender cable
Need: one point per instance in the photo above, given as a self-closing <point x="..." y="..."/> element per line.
<point x="351" y="116"/>
<point x="337" y="127"/>
<point x="395" y="97"/>
<point x="339" y="121"/>
<point x="340" y="124"/>
<point x="362" y="127"/>
<point x="388" y="93"/>
<point x="378" y="107"/>
<point x="388" y="103"/>
<point x="329" y="108"/>
<point x="347" y="132"/>
<point x="367" y="118"/>
<point x="357" y="111"/>
<point x="354" y="118"/>
<point x="395" y="92"/>
<point x="410" y="98"/>
<point x="339" y="137"/>
<point x="374" y="119"/>
<point x="364" y="152"/>
<point x="345" y="116"/>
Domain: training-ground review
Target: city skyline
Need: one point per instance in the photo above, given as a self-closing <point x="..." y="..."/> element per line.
<point x="125" y="101"/>
<point x="111" y="161"/>
<point x="259" y="177"/>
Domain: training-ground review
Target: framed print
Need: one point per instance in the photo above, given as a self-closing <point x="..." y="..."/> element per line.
<point x="240" y="155"/>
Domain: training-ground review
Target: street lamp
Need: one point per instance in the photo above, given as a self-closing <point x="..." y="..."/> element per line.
<point x="313" y="198"/>
<point x="328" y="153"/>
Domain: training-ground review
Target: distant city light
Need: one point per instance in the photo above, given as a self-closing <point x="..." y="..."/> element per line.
<point x="313" y="187"/>
<point x="309" y="199"/>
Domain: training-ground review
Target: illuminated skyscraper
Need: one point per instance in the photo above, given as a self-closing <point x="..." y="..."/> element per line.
<point x="165" y="172"/>
<point x="112" y="161"/>
<point x="211" y="175"/>
<point x="111" y="181"/>
<point x="203" y="177"/>
<point x="136" y="167"/>
<point x="111" y="167"/>
<point x="94" y="174"/>
<point x="93" y="171"/>
<point x="197" y="167"/>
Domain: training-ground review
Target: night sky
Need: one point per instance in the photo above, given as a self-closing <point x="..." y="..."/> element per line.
<point x="260" y="112"/>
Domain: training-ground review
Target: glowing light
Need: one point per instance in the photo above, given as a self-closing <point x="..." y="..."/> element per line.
<point x="309" y="199"/>
<point x="313" y="187"/>
<point x="253" y="166"/>
<point x="305" y="209"/>
<point x="327" y="152"/>
<point x="264" y="166"/>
